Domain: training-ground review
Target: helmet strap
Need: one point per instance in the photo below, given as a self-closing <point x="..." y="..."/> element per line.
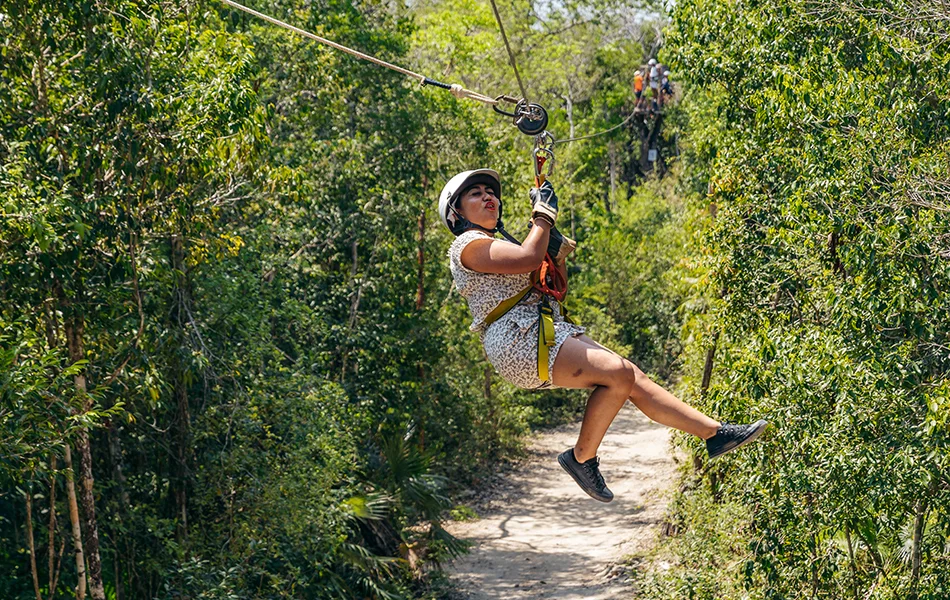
<point x="465" y="225"/>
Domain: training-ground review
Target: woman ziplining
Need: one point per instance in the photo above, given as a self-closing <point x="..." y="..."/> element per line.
<point x="514" y="293"/>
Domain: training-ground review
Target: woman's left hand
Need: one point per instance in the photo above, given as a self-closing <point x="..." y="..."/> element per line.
<point x="559" y="245"/>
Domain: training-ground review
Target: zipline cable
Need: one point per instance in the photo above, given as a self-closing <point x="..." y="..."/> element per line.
<point x="599" y="133"/>
<point x="457" y="90"/>
<point x="511" y="56"/>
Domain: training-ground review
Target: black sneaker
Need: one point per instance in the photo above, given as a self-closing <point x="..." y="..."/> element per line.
<point x="729" y="437"/>
<point x="586" y="474"/>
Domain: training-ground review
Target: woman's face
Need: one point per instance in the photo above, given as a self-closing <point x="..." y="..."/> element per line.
<point x="479" y="205"/>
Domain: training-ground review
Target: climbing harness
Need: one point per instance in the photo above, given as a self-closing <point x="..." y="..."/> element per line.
<point x="530" y="119"/>
<point x="546" y="333"/>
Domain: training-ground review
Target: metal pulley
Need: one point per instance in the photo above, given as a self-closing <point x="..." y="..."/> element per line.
<point x="529" y="118"/>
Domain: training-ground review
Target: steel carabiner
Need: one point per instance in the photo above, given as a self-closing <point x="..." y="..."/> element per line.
<point x="543" y="155"/>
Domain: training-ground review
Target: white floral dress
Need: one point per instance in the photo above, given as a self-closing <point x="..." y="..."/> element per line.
<point x="511" y="342"/>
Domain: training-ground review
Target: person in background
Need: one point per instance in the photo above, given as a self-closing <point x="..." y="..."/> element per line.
<point x="666" y="87"/>
<point x="638" y="87"/>
<point x="654" y="79"/>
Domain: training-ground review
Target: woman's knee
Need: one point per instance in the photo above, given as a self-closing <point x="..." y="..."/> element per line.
<point x="623" y="375"/>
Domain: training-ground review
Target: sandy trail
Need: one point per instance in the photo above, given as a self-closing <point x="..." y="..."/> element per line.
<point x="540" y="536"/>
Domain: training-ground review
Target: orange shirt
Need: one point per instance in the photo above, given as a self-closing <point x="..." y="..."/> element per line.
<point x="638" y="83"/>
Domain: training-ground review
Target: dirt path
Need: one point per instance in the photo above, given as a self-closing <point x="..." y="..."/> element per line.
<point x="540" y="536"/>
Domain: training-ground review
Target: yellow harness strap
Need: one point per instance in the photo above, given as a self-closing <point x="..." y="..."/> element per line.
<point x="546" y="338"/>
<point x="505" y="305"/>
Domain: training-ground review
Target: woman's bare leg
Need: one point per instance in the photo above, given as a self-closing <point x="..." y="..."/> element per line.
<point x="583" y="363"/>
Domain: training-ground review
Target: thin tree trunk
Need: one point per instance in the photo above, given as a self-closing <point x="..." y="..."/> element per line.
<point x="420" y="292"/>
<point x="487" y="390"/>
<point x="52" y="520"/>
<point x="29" y="541"/>
<point x="181" y="434"/>
<point x="569" y="108"/>
<point x="54" y="575"/>
<point x="612" y="162"/>
<point x="183" y="450"/>
<point x="74" y="522"/>
<point x="708" y="366"/>
<point x="357" y="298"/>
<point x="920" y="518"/>
<point x="854" y="568"/>
<point x="74" y="338"/>
<point x="115" y="454"/>
<point x="354" y="302"/>
<point x="875" y="555"/>
<point x="421" y="260"/>
<point x="87" y="497"/>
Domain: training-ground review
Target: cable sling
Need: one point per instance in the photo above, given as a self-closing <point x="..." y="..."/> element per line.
<point x="511" y="56"/>
<point x="457" y="90"/>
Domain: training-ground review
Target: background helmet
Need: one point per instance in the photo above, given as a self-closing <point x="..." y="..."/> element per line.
<point x="652" y="62"/>
<point x="448" y="199"/>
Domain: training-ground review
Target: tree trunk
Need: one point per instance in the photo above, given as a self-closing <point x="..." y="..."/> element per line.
<point x="612" y="166"/>
<point x="30" y="543"/>
<point x="487" y="390"/>
<point x="118" y="474"/>
<point x="74" y="522"/>
<point x="421" y="259"/>
<point x="920" y="518"/>
<point x="87" y="497"/>
<point x="854" y="568"/>
<point x="74" y="339"/>
<point x="420" y="292"/>
<point x="181" y="433"/>
<point x="708" y="366"/>
<point x="52" y="521"/>
<point x="569" y="107"/>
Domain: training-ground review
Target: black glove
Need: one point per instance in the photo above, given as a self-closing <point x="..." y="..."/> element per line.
<point x="544" y="202"/>
<point x="559" y="245"/>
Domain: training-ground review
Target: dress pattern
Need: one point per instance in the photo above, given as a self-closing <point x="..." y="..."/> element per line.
<point x="511" y="342"/>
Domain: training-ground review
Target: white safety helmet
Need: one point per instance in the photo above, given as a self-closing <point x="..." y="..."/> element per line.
<point x="448" y="211"/>
<point x="652" y="62"/>
<point x="666" y="73"/>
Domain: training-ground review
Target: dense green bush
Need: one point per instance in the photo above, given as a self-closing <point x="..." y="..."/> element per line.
<point x="817" y="132"/>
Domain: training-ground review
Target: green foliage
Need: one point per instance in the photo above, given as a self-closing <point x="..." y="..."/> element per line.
<point x="817" y="132"/>
<point x="706" y="558"/>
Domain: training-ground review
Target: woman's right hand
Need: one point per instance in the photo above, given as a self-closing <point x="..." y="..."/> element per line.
<point x="544" y="202"/>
